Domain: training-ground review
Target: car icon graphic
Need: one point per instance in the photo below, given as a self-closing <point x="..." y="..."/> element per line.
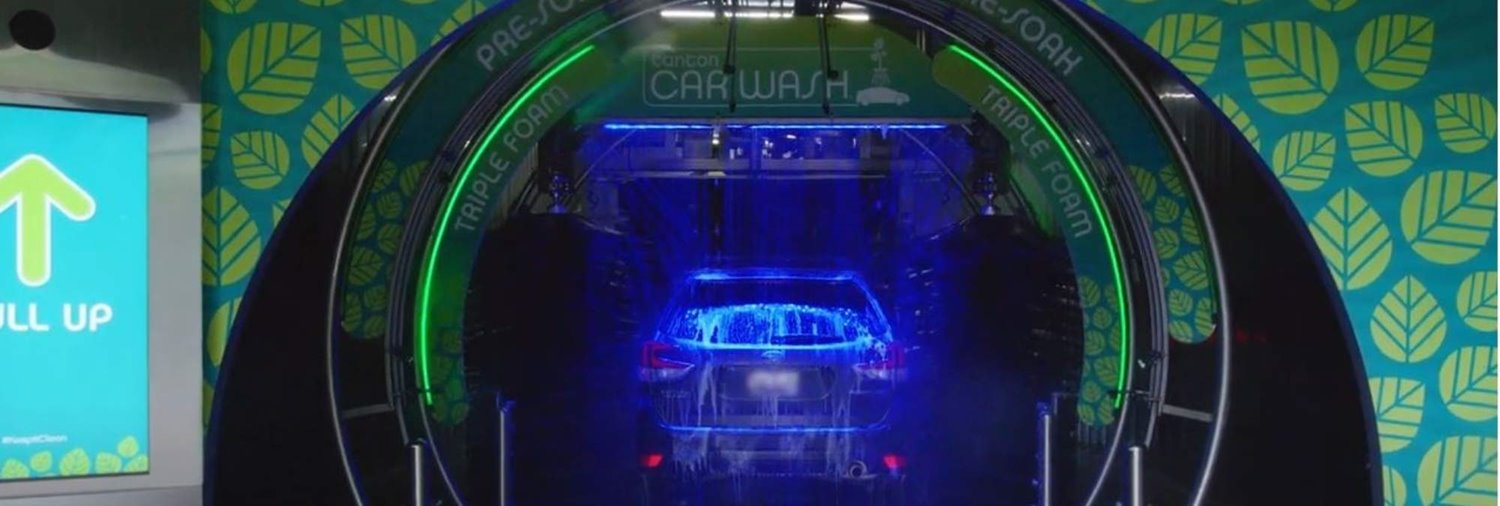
<point x="881" y="95"/>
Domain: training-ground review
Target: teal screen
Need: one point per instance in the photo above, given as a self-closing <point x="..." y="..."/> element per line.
<point x="73" y="293"/>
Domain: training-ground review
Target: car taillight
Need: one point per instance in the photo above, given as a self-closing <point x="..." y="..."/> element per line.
<point x="894" y="462"/>
<point x="651" y="460"/>
<point x="656" y="366"/>
<point x="890" y="366"/>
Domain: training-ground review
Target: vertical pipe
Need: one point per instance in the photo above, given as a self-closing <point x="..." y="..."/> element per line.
<point x="504" y="451"/>
<point x="418" y="475"/>
<point x="1137" y="481"/>
<point x="1046" y="485"/>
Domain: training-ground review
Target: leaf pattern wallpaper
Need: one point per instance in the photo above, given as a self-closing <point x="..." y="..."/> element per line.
<point x="1377" y="116"/>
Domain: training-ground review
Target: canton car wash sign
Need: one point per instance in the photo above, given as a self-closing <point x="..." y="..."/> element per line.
<point x="778" y="70"/>
<point x="73" y="280"/>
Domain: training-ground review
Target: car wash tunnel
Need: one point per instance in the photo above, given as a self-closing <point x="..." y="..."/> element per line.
<point x="894" y="252"/>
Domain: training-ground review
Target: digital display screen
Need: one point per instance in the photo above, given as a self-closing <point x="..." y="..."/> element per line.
<point x="73" y="294"/>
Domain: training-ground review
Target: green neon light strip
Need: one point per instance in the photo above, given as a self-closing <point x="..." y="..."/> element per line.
<point x="424" y="303"/>
<point x="1099" y="212"/>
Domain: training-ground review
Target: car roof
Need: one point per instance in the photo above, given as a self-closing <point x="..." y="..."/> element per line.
<point x="751" y="273"/>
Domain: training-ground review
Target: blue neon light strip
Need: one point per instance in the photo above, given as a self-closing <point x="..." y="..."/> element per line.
<point x="772" y="274"/>
<point x="787" y="126"/>
<point x="773" y="430"/>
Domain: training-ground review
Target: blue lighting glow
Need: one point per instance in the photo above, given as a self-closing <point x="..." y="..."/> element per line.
<point x="775" y="430"/>
<point x="768" y="273"/>
<point x="757" y="326"/>
<point x="759" y="308"/>
<point x="654" y="126"/>
<point x="787" y="126"/>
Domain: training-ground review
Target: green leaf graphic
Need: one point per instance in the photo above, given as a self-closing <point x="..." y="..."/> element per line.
<point x="41" y="462"/>
<point x="374" y="297"/>
<point x="278" y="208"/>
<point x="1166" y="242"/>
<point x="1353" y="239"/>
<point x="1192" y="270"/>
<point x="272" y="66"/>
<point x="1166" y="211"/>
<point x="1240" y="2"/>
<point x="1302" y="161"/>
<point x="260" y="159"/>
<point x="1189" y="41"/>
<point x="1086" y="409"/>
<point x="1466" y="383"/>
<point x="364" y="265"/>
<point x="1180" y="330"/>
<point x="208" y="401"/>
<point x="1398" y="410"/>
<point x="139" y="464"/>
<point x="465" y="11"/>
<point x="1408" y="326"/>
<point x="1476" y="301"/>
<point x="1190" y="232"/>
<point x="218" y="330"/>
<point x="1172" y="182"/>
<point x="374" y="326"/>
<point x="1088" y="291"/>
<point x="232" y="6"/>
<point x="1106" y="410"/>
<point x="213" y="122"/>
<point x="389" y="205"/>
<point x="1179" y="303"/>
<point x="325" y="127"/>
<point x="1448" y="215"/>
<point x="1385" y="137"/>
<point x="321" y="3"/>
<point x="1394" y="486"/>
<point x="1458" y="470"/>
<point x="1106" y="368"/>
<point x="367" y="224"/>
<point x="205" y="52"/>
<point x="1205" y="318"/>
<point x="1333" y="5"/>
<point x="1145" y="183"/>
<point x="1393" y="51"/>
<point x="128" y="447"/>
<point x="1465" y="121"/>
<point x="1102" y="318"/>
<point x="353" y="313"/>
<point x="74" y="463"/>
<point x="389" y="238"/>
<point x="1093" y="342"/>
<point x="14" y="469"/>
<point x="231" y="240"/>
<point x="376" y="48"/>
<point x="108" y="463"/>
<point x="1241" y="120"/>
<point x="1292" y="65"/>
<point x="381" y="181"/>
<point x="411" y="176"/>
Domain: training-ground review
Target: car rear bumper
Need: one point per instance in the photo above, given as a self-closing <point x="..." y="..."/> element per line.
<point x="833" y="454"/>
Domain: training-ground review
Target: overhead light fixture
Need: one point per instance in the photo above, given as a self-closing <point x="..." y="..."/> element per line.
<point x="687" y="14"/>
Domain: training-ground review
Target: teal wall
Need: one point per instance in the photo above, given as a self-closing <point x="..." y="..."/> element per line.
<point x="1378" y="117"/>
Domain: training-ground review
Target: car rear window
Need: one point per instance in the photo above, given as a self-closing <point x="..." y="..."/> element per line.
<point x="778" y="324"/>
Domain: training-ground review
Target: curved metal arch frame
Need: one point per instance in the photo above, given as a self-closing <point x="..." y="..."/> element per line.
<point x="461" y="141"/>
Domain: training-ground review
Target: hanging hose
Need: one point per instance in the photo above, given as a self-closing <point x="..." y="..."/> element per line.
<point x="730" y="52"/>
<point x="828" y="7"/>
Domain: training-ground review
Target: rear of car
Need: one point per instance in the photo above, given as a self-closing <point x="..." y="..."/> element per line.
<point x="770" y="373"/>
